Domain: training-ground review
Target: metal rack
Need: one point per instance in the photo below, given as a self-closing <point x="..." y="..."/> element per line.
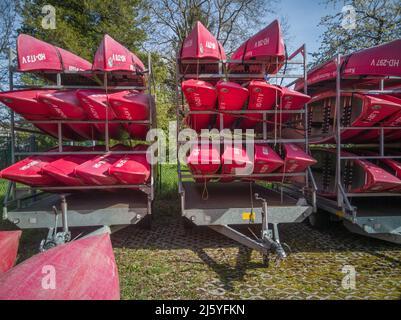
<point x="34" y="208"/>
<point x="364" y="213"/>
<point x="239" y="203"/>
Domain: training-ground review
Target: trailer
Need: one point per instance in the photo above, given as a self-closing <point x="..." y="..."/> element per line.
<point x="225" y="206"/>
<point x="375" y="214"/>
<point x="82" y="206"/>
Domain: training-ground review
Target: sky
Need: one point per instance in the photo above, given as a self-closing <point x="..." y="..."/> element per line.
<point x="303" y="17"/>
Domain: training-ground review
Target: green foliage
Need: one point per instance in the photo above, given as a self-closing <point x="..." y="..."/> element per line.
<point x="376" y="22"/>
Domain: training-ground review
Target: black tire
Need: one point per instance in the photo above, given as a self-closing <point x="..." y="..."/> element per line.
<point x="146" y="222"/>
<point x="188" y="224"/>
<point x="320" y="220"/>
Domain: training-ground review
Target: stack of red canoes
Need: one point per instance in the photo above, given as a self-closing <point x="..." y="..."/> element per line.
<point x="226" y="104"/>
<point x="81" y="105"/>
<point x="81" y="168"/>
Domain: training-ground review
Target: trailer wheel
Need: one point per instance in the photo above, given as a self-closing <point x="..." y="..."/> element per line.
<point x="188" y="224"/>
<point x="319" y="219"/>
<point x="146" y="222"/>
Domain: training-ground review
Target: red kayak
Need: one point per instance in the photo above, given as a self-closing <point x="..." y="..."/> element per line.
<point x="96" y="105"/>
<point x="266" y="47"/>
<point x="296" y="160"/>
<point x="358" y="176"/>
<point x="132" y="168"/>
<point x="264" y="97"/>
<point x="96" y="170"/>
<point x="83" y="269"/>
<point x="266" y="160"/>
<point x="231" y="97"/>
<point x="235" y="162"/>
<point x="30" y="170"/>
<point x="379" y="61"/>
<point x="9" y="242"/>
<point x="200" y="45"/>
<point x="204" y="160"/>
<point x="65" y="105"/>
<point x="27" y="105"/>
<point x="63" y="169"/>
<point x="357" y="111"/>
<point x="37" y="55"/>
<point x="133" y="106"/>
<point x="113" y="56"/>
<point x="200" y="96"/>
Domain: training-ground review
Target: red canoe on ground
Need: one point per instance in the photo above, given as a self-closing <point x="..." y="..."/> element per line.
<point x="358" y="176"/>
<point x="27" y="105"/>
<point x="235" y="162"/>
<point x="231" y="97"/>
<point x="267" y="47"/>
<point x="379" y="61"/>
<point x="133" y="106"/>
<point x="200" y="45"/>
<point x="113" y="56"/>
<point x="37" y="55"/>
<point x="83" y="269"/>
<point x="204" y="160"/>
<point x="9" y="242"/>
<point x="200" y="96"/>
<point x="96" y="105"/>
<point x="96" y="170"/>
<point x="65" y="105"/>
<point x="132" y="168"/>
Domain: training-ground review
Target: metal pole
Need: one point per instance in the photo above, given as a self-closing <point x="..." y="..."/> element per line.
<point x="338" y="132"/>
<point x="307" y="149"/>
<point x="107" y="142"/>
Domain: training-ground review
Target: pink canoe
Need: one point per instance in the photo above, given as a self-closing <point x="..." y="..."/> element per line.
<point x="132" y="168"/>
<point x="231" y="97"/>
<point x="9" y="242"/>
<point x="37" y="55"/>
<point x="96" y="170"/>
<point x="235" y="162"/>
<point x="134" y="106"/>
<point x="83" y="269"/>
<point x="26" y="104"/>
<point x="200" y="96"/>
<point x="266" y="47"/>
<point x="65" y="105"/>
<point x="296" y="160"/>
<point x="204" y="160"/>
<point x="266" y="160"/>
<point x="358" y="176"/>
<point x="96" y="105"/>
<point x="379" y="61"/>
<point x="200" y="45"/>
<point x="112" y="56"/>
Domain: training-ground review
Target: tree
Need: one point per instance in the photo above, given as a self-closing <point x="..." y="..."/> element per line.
<point x="365" y="24"/>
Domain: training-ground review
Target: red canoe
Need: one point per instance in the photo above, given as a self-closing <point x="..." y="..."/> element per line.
<point x="267" y="47"/>
<point x="83" y="269"/>
<point x="204" y="160"/>
<point x="37" y="55"/>
<point x="63" y="168"/>
<point x="132" y="168"/>
<point x="96" y="105"/>
<point x="264" y="96"/>
<point x="382" y="60"/>
<point x="96" y="170"/>
<point x="65" y="105"/>
<point x="133" y="106"/>
<point x="231" y="97"/>
<point x="266" y="160"/>
<point x="296" y="160"/>
<point x="26" y="104"/>
<point x="112" y="56"/>
<point x="9" y="242"/>
<point x="235" y="162"/>
<point x="30" y="170"/>
<point x="200" y="96"/>
<point x="200" y="45"/>
<point x="360" y="111"/>
<point x="358" y="176"/>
